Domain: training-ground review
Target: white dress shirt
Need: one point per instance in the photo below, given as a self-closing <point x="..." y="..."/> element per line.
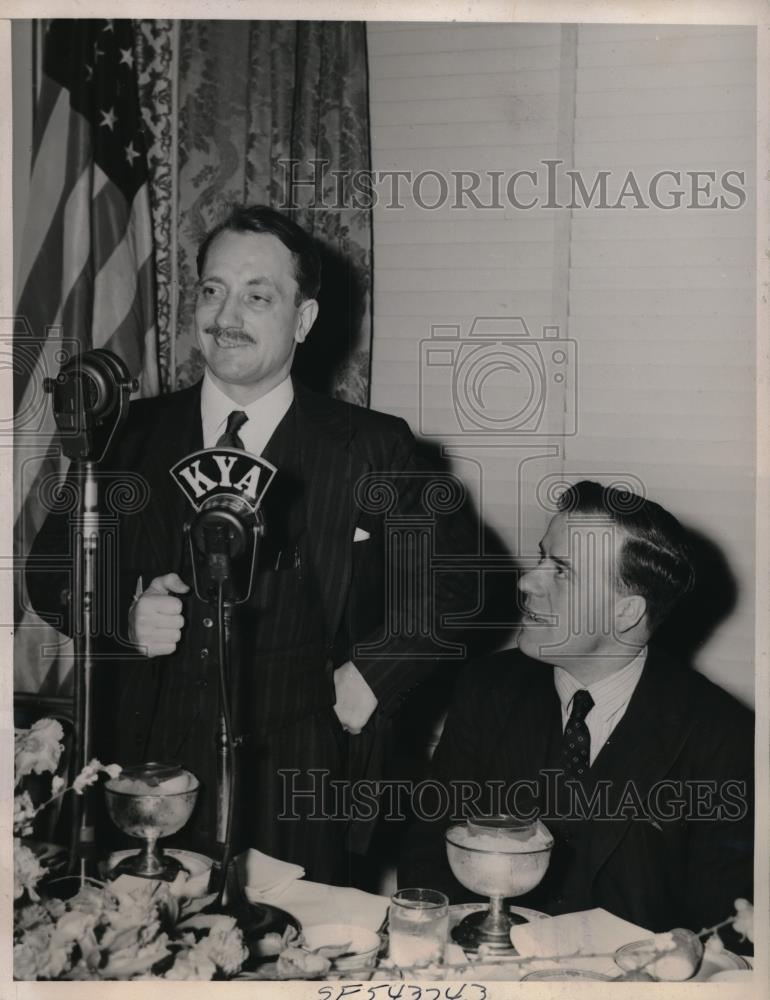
<point x="611" y="696"/>
<point x="264" y="414"/>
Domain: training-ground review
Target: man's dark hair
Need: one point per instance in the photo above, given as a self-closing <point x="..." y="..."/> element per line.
<point x="655" y="560"/>
<point x="263" y="219"/>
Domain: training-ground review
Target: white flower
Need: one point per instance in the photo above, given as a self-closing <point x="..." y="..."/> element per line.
<point x="24" y="811"/>
<point x="75" y="924"/>
<point x="37" y="749"/>
<point x="224" y="946"/>
<point x="58" y="784"/>
<point x="90" y="774"/>
<point x="744" y="919"/>
<point x="39" y="956"/>
<point x="664" y="941"/>
<point x="27" y="870"/>
<point x="30" y="916"/>
<point x="55" y="907"/>
<point x="87" y="776"/>
<point x="89" y="899"/>
<point x="192" y="964"/>
<point x="136" y="960"/>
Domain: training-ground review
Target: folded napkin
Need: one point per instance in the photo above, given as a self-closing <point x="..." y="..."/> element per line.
<point x="260" y="873"/>
<point x="315" y="903"/>
<point x="588" y="932"/>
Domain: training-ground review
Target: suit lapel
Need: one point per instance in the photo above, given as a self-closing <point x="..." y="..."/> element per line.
<point x="331" y="469"/>
<point x="641" y="749"/>
<point x="179" y="433"/>
<point x="526" y="735"/>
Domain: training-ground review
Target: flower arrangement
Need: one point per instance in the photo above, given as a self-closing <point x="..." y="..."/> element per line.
<point x="122" y="930"/>
<point x="38" y="750"/>
<point x="153" y="930"/>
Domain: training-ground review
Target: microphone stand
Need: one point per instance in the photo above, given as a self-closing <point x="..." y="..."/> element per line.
<point x="226" y="527"/>
<point x="90" y="397"/>
<point x="83" y="599"/>
<point x="214" y="534"/>
<point x="226" y="744"/>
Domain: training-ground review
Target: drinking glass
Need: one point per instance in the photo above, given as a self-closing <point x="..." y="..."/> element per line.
<point x="419" y="926"/>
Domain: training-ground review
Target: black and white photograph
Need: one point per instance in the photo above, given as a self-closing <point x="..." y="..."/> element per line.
<point x="386" y="478"/>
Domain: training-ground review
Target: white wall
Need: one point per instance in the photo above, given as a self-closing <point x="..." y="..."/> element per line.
<point x="659" y="304"/>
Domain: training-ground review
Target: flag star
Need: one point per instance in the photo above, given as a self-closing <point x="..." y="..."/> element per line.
<point x="89" y="72"/>
<point x="108" y="26"/>
<point x="109" y="119"/>
<point x="97" y="52"/>
<point x="127" y="57"/>
<point x="131" y="154"/>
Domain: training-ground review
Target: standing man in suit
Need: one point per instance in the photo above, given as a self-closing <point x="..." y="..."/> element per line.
<point x="587" y="710"/>
<point x="316" y="672"/>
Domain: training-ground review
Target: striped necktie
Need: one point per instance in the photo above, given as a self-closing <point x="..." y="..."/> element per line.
<point x="230" y="438"/>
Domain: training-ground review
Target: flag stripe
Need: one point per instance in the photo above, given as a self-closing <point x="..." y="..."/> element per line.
<point x="48" y="181"/>
<point x="48" y="102"/>
<point x="122" y="341"/>
<point x="116" y="281"/>
<point x="76" y="218"/>
<point x="110" y="221"/>
<point x="88" y="265"/>
<point x="41" y="296"/>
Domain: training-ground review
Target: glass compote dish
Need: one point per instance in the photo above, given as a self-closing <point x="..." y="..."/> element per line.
<point x="150" y="801"/>
<point x="499" y="857"/>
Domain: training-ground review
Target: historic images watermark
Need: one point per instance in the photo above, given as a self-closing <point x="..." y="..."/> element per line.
<point x="494" y="384"/>
<point x="314" y="794"/>
<point x="32" y="357"/>
<point x="497" y="379"/>
<point x="311" y="185"/>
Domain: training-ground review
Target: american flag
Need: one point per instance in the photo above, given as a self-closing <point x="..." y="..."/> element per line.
<point x="86" y="275"/>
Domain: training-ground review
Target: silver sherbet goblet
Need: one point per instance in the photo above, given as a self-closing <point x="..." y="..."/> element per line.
<point x="499" y="857"/>
<point x="143" y="802"/>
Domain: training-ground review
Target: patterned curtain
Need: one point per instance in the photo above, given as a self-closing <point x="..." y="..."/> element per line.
<point x="253" y="96"/>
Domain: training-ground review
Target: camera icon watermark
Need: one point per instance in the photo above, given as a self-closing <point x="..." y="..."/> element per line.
<point x="31" y="358"/>
<point x="498" y="380"/>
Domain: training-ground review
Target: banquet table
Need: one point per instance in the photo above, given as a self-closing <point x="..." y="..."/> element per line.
<point x="576" y="945"/>
<point x="585" y="945"/>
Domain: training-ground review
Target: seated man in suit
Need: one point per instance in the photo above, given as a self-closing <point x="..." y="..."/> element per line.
<point x="641" y="769"/>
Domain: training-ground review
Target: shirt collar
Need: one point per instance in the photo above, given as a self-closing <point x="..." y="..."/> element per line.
<point x="609" y="693"/>
<point x="216" y="407"/>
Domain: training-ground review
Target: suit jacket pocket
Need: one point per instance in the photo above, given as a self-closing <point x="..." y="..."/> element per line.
<point x="283" y="611"/>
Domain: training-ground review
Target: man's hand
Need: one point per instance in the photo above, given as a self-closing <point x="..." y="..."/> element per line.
<point x="155" y="618"/>
<point x="355" y="699"/>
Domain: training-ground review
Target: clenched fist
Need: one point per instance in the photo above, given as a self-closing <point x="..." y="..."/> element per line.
<point x="155" y="619"/>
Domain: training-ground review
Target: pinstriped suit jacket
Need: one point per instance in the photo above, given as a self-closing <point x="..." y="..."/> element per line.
<point x="359" y="469"/>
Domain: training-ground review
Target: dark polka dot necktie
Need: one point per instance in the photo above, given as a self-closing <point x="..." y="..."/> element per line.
<point x="230" y="438"/>
<point x="576" y="743"/>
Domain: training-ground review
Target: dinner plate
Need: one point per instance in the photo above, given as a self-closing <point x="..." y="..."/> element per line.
<point x="194" y="864"/>
<point x="569" y="975"/>
<point x="457" y="911"/>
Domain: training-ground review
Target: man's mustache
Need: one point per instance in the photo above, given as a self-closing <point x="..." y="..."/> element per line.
<point x="230" y="331"/>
